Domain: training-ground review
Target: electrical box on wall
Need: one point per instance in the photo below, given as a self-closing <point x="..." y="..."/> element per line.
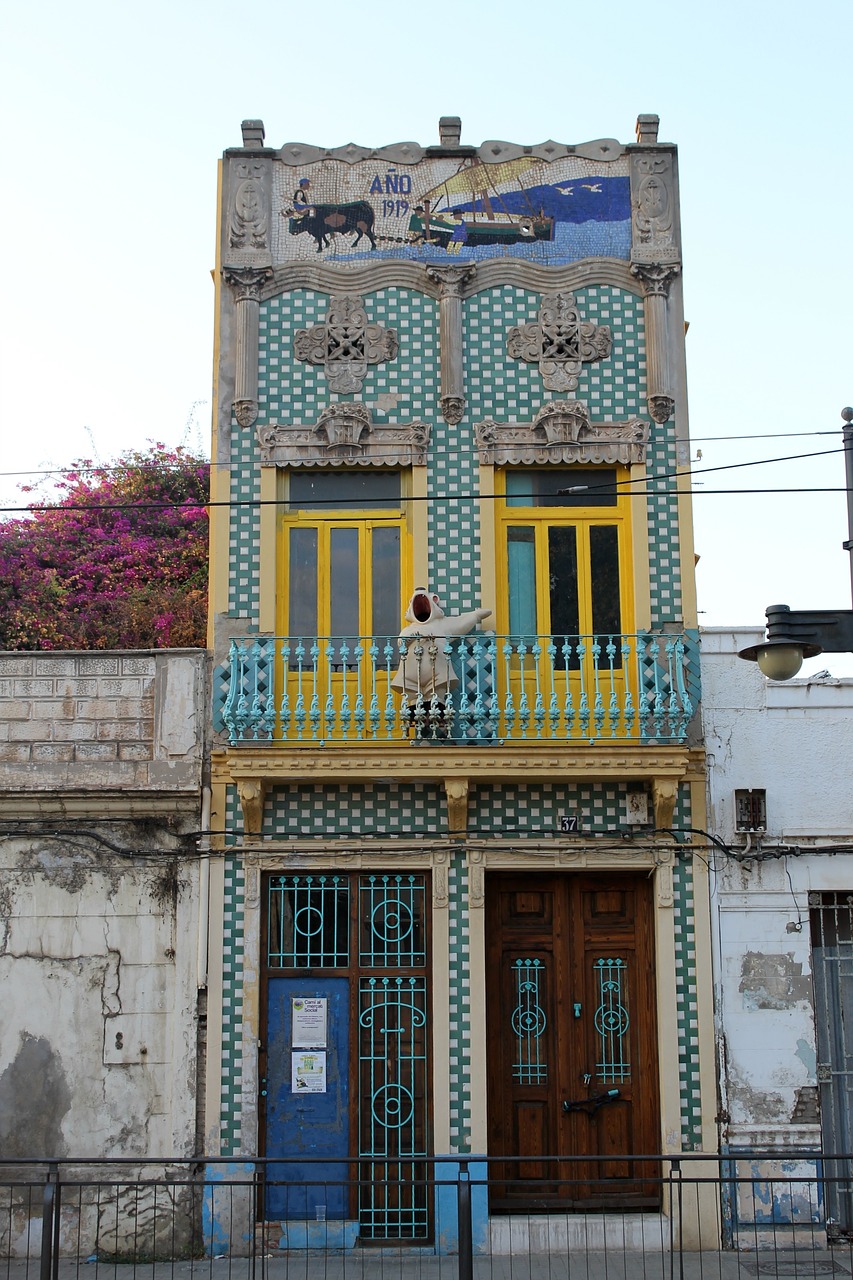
<point x="751" y="809"/>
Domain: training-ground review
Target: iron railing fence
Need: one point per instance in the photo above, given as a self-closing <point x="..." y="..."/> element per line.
<point x="479" y="688"/>
<point x="755" y="1214"/>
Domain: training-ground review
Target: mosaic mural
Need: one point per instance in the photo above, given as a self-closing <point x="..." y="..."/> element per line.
<point x="438" y="210"/>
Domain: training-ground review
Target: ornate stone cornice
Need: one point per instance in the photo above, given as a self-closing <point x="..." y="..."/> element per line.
<point x="368" y="277"/>
<point x="561" y="432"/>
<point x="559" y="341"/>
<point x="298" y="154"/>
<point x="345" y="344"/>
<point x="344" y="434"/>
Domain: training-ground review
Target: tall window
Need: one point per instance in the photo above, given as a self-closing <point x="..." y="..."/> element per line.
<point x="565" y="539"/>
<point x="345" y="558"/>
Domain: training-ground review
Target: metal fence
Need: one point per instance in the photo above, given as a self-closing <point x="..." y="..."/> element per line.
<point x="755" y="1214"/>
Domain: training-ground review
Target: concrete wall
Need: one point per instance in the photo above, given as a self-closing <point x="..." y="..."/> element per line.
<point x="101" y="720"/>
<point x="100" y="890"/>
<point x="795" y="740"/>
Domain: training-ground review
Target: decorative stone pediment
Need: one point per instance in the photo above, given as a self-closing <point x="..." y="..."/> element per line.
<point x="344" y="435"/>
<point x="562" y="432"/>
<point x="560" y="342"/>
<point x="345" y="344"/>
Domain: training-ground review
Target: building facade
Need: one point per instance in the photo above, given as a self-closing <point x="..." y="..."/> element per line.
<point x="782" y="924"/>
<point x="103" y="934"/>
<point x="456" y="679"/>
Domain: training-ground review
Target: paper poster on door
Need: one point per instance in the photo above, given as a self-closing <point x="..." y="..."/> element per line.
<point x="309" y="1022"/>
<point x="308" y="1072"/>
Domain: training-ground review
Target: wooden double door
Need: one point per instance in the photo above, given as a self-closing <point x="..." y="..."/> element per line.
<point x="572" y="1041"/>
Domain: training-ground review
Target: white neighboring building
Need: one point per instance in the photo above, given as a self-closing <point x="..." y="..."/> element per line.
<point x="779" y="762"/>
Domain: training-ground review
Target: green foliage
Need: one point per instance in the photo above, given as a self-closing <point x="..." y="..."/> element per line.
<point x="116" y="559"/>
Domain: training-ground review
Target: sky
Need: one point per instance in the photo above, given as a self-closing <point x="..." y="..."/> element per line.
<point x="115" y="117"/>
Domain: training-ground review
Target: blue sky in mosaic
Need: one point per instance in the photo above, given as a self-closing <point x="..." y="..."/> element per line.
<point x="115" y="116"/>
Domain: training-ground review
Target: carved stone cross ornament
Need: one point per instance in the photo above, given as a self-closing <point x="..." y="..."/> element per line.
<point x="345" y="344"/>
<point x="560" y="342"/>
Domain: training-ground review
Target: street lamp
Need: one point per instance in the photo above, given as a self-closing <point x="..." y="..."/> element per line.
<point x="793" y="636"/>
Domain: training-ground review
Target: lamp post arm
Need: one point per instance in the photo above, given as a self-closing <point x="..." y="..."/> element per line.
<point x="824" y="630"/>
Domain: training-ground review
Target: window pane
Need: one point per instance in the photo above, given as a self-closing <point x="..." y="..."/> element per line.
<point x="532" y="488"/>
<point x="387" y="605"/>
<point x="521" y="560"/>
<point x="326" y="490"/>
<point x="604" y="565"/>
<point x="302" y="583"/>
<point x="343" y="582"/>
<point x="563" y="571"/>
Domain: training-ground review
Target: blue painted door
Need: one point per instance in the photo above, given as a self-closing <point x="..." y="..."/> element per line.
<point x="307" y="1126"/>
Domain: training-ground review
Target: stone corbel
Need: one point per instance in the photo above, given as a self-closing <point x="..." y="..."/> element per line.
<point x="450" y="281"/>
<point x="476" y="879"/>
<point x="664" y="796"/>
<point x="440" y="891"/>
<point x="664" y="861"/>
<point x="656" y="278"/>
<point x="252" y="793"/>
<point x="246" y="283"/>
<point x="456" y="790"/>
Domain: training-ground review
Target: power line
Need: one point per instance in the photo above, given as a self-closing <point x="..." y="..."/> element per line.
<point x="625" y="486"/>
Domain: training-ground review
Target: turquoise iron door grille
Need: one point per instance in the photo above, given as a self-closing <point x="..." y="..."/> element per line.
<point x="369" y="932"/>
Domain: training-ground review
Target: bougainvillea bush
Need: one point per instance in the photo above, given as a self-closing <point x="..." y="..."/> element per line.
<point x="114" y="558"/>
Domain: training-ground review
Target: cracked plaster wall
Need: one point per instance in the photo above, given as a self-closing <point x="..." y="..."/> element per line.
<point x="98" y="1030"/>
<point x="795" y="741"/>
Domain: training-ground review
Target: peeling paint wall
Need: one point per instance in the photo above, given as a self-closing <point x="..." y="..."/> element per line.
<point x="795" y="741"/>
<point x="99" y="905"/>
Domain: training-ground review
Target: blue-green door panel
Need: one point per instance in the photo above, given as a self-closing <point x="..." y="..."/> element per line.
<point x="307" y="1124"/>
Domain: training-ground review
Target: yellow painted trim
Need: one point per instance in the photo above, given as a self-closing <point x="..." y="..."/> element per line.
<point x="220" y="479"/>
<point x="488" y="544"/>
<point x="689" y="607"/>
<point x="418" y="524"/>
<point x="267" y="552"/>
<point x="541" y="518"/>
<point x="640" y="543"/>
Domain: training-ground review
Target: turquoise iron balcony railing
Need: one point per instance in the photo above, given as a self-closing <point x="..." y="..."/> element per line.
<point x="481" y="688"/>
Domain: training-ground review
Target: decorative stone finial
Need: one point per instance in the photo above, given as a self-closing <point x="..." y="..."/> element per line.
<point x="253" y="134"/>
<point x="449" y="131"/>
<point x="647" y="129"/>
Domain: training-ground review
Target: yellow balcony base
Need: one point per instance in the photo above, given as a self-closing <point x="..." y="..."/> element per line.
<point x="254" y="768"/>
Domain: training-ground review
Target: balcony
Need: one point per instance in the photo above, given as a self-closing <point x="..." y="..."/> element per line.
<point x="480" y="690"/>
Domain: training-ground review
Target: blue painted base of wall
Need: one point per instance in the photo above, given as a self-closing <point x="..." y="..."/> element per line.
<point x="227" y="1208"/>
<point x="326" y="1237"/>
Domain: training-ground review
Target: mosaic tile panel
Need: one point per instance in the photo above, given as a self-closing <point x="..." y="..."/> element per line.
<point x="512" y="390"/>
<point x="460" y="1007"/>
<point x="245" y="492"/>
<point x="686" y="997"/>
<point x="664" y="551"/>
<point x="393" y="810"/>
<point x="230" y="1115"/>
<point x="508" y="809"/>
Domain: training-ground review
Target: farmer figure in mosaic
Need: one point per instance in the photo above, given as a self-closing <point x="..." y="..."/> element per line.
<point x="425" y="675"/>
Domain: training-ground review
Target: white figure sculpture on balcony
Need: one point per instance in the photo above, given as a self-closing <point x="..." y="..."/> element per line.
<point x="426" y="675"/>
